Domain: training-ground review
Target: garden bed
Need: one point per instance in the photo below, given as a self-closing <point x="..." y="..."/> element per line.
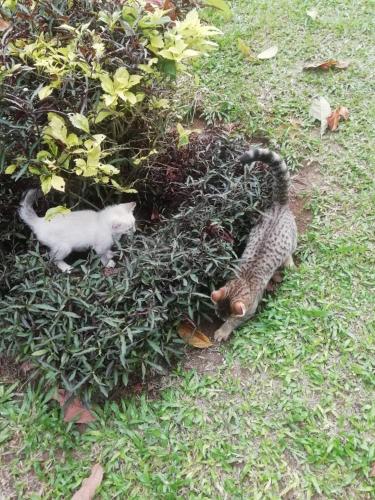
<point x="91" y="330"/>
<point x="88" y="100"/>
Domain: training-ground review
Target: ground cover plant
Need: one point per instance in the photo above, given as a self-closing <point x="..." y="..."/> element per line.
<point x="92" y="330"/>
<point x="286" y="408"/>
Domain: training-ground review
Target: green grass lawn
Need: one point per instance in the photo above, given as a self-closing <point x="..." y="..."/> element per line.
<point x="291" y="411"/>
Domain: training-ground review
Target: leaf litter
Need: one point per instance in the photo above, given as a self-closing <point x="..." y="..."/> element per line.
<point x="336" y="115"/>
<point x="327" y="64"/>
<point x="90" y="484"/>
<point x="4" y="25"/>
<point x="269" y="53"/>
<point x="73" y="409"/>
<point x="320" y="110"/>
<point x="193" y="336"/>
<point x="313" y="13"/>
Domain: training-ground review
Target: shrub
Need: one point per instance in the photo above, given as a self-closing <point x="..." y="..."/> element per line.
<point x="85" y="86"/>
<point x="89" y="330"/>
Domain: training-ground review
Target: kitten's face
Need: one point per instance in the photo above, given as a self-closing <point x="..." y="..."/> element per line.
<point x="228" y="306"/>
<point x="122" y="219"/>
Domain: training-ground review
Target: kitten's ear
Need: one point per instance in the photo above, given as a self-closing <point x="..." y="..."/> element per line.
<point x="218" y="295"/>
<point x="239" y="309"/>
<point x="129" y="206"/>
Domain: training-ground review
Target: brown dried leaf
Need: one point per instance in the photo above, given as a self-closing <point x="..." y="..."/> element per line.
<point x="155" y="215"/>
<point x="216" y="231"/>
<point x="73" y="409"/>
<point x="4" y="25"/>
<point x="372" y="471"/>
<point x="344" y="113"/>
<point x="111" y="271"/>
<point x="333" y="120"/>
<point x="171" y="8"/>
<point x="90" y="485"/>
<point x="193" y="336"/>
<point x="325" y="65"/>
<point x="335" y="116"/>
<point x="26" y="367"/>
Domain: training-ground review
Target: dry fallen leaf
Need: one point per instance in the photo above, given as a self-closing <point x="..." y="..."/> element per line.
<point x="111" y="271"/>
<point x="372" y="471"/>
<point x="73" y="409"/>
<point x="336" y="115"/>
<point x="4" y="25"/>
<point x="344" y="113"/>
<point x="90" y="485"/>
<point x="171" y="8"/>
<point x="269" y="53"/>
<point x="193" y="336"/>
<point x="26" y="367"/>
<point x="320" y="110"/>
<point x="329" y="63"/>
<point x="216" y="231"/>
<point x="333" y="120"/>
<point x="313" y="13"/>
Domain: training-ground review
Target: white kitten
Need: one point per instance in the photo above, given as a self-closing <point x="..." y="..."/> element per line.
<point x="79" y="230"/>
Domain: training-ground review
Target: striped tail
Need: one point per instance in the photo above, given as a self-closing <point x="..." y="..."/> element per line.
<point x="278" y="168"/>
<point x="26" y="211"/>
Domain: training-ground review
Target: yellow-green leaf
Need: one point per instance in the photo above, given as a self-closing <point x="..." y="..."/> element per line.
<point x="108" y="169"/>
<point x="43" y="155"/>
<point x="46" y="183"/>
<point x="110" y="100"/>
<point x="34" y="170"/>
<point x="58" y="182"/>
<point x="73" y="140"/>
<point x="102" y="115"/>
<point x="121" y="76"/>
<point x="10" y="169"/>
<point x="52" y="212"/>
<point x="122" y="188"/>
<point x="45" y="92"/>
<point x="107" y="84"/>
<point x="245" y="49"/>
<point x="134" y="80"/>
<point x="57" y="128"/>
<point x="40" y="352"/>
<point x="80" y="121"/>
<point x="99" y="138"/>
<point x="220" y="5"/>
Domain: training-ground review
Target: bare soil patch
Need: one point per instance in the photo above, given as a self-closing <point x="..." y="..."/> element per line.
<point x="32" y="485"/>
<point x="304" y="183"/>
<point x="204" y="362"/>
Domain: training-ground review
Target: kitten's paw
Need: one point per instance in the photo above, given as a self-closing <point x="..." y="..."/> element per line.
<point x="65" y="268"/>
<point x="111" y="263"/>
<point x="221" y="335"/>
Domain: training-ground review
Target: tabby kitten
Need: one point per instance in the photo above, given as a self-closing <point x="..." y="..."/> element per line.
<point x="270" y="245"/>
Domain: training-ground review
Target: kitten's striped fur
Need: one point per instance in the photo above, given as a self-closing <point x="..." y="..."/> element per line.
<point x="271" y="245"/>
